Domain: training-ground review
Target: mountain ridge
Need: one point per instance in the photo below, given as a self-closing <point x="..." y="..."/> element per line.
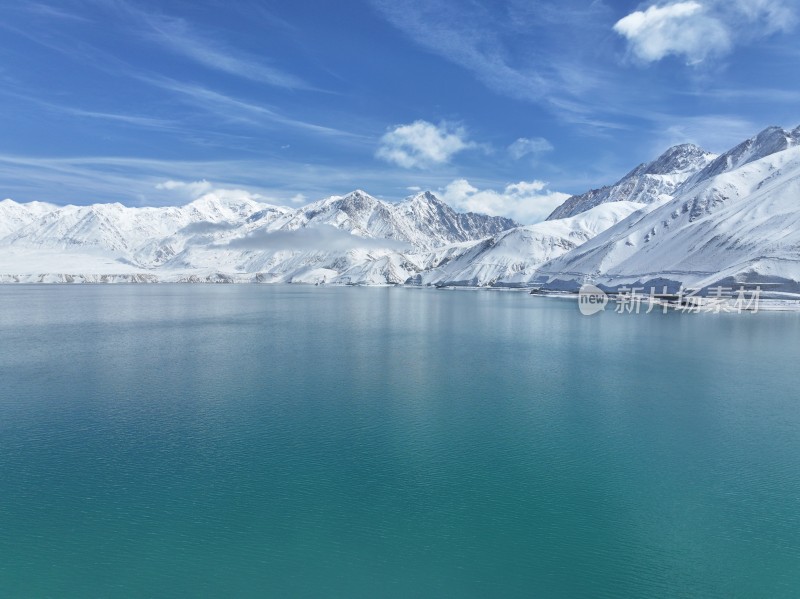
<point x="648" y="183"/>
<point x="703" y="220"/>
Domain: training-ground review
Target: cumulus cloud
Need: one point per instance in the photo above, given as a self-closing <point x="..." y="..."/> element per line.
<point x="422" y="144"/>
<point x="529" y="147"/>
<point x="700" y="29"/>
<point x="683" y="28"/>
<point x="526" y="202"/>
<point x="322" y="238"/>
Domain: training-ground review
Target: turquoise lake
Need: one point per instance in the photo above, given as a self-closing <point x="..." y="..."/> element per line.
<point x="259" y="441"/>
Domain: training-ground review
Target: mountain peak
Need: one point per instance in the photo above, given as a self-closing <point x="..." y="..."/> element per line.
<point x="426" y="197"/>
<point x="358" y="193"/>
<point x="769" y="141"/>
<point x="680" y="159"/>
<point x="648" y="183"/>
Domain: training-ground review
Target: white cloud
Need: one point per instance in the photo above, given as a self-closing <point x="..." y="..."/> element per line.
<point x="527" y="202"/>
<point x="683" y="28"/>
<point x="193" y="189"/>
<point x="698" y="30"/>
<point x="524" y="147"/>
<point x="422" y="144"/>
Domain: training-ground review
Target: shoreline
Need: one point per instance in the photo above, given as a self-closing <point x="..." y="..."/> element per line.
<point x="641" y="304"/>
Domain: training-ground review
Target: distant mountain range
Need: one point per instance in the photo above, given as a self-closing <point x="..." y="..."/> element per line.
<point x="687" y="218"/>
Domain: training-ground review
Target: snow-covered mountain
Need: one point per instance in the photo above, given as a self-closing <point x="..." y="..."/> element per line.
<point x="511" y="258"/>
<point x="738" y="223"/>
<point x="648" y="183"/>
<point x="688" y="218"/>
<point x="423" y="220"/>
<point x="354" y="238"/>
<point x="769" y="141"/>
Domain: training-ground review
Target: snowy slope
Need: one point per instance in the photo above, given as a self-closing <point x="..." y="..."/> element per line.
<point x="511" y="258"/>
<point x="742" y="225"/>
<point x="14" y="216"/>
<point x="646" y="184"/>
<point x="769" y="141"/>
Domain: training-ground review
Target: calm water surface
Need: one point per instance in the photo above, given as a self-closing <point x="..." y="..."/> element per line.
<point x="256" y="441"/>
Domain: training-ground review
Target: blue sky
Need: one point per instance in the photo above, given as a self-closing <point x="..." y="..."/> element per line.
<point x="503" y="106"/>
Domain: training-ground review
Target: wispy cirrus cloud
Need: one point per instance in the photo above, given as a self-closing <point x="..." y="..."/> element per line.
<point x="227" y="108"/>
<point x="466" y="39"/>
<point x="48" y="10"/>
<point x="129" y="119"/>
<point x="230" y="108"/>
<point x="714" y="132"/>
<point x="531" y="54"/>
<point x="178" y="35"/>
<point x="142" y="181"/>
<point x="777" y="95"/>
<point x="135" y="120"/>
<point x="135" y="180"/>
